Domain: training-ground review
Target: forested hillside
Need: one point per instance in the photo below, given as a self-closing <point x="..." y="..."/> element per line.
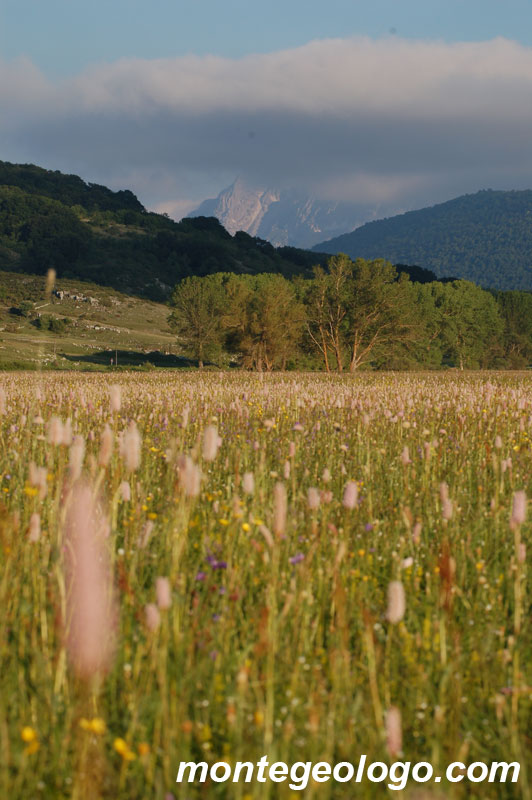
<point x="85" y="231"/>
<point x="484" y="237"/>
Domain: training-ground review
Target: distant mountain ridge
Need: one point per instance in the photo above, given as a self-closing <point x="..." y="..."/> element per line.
<point x="282" y="216"/>
<point x="484" y="237"/>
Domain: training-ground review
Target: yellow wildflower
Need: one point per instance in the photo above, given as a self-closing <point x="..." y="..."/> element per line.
<point x="28" y="734"/>
<point x="122" y="747"/>
<point x="96" y="725"/>
<point x="32" y="748"/>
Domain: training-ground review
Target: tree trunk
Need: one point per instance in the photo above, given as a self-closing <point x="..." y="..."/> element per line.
<point x="325" y="349"/>
<point x="338" y="354"/>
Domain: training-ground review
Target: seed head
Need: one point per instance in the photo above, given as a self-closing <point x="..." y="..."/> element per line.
<point x="350" y="497"/>
<point x="106" y="447"/>
<point x="396" y="602"/>
<point x="211" y="442"/>
<point x="394" y="732"/>
<point x="518" y="508"/>
<point x="163" y="593"/>
<point x="248" y="483"/>
<point x="130" y="447"/>
<point x="152" y="616"/>
<point x="115" y="398"/>
<point x="279" y="509"/>
<point x="90" y="611"/>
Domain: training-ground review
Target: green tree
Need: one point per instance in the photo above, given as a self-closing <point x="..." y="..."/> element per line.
<point x="327" y="302"/>
<point x="197" y="317"/>
<point x="266" y="320"/>
<point x="470" y="324"/>
<point x="381" y="313"/>
<point x="516" y="311"/>
<point x="360" y="311"/>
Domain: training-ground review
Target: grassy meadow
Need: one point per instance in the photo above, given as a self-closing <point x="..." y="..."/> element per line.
<point x="198" y="567"/>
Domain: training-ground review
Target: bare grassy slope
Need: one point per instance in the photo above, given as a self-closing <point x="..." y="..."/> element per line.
<point x="100" y="323"/>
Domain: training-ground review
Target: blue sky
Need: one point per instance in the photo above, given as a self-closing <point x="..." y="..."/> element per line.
<point x="393" y="104"/>
<point x="63" y="36"/>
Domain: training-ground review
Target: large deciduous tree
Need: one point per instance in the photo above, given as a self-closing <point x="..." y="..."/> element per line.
<point x="356" y="310"/>
<point x="469" y="323"/>
<point x="265" y="320"/>
<point x="197" y="316"/>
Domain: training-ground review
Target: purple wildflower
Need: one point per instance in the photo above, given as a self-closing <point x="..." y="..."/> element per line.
<point x="297" y="558"/>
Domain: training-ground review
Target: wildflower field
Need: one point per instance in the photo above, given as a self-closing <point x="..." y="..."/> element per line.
<point x="218" y="566"/>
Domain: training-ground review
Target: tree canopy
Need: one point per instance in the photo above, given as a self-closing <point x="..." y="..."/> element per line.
<point x="351" y="315"/>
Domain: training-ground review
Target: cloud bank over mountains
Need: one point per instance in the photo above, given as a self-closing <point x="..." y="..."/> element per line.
<point x="402" y="123"/>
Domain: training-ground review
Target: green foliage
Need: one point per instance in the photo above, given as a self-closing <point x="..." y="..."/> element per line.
<point x="68" y="189"/>
<point x="468" y="323"/>
<point x="360" y="312"/>
<point x="265" y="320"/>
<point x="53" y="324"/>
<point x="516" y="345"/>
<point x="198" y="306"/>
<point x="26" y="308"/>
<point x="351" y="315"/>
<point x="484" y="237"/>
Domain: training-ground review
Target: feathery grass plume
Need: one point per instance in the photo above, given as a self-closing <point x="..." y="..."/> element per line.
<point x="76" y="456"/>
<point x="446" y="502"/>
<point x="37" y="477"/>
<point x="152" y="616"/>
<point x="145" y="534"/>
<point x="268" y="538"/>
<point x="34" y="532"/>
<point x="498" y="442"/>
<point x="125" y="491"/>
<point x="106" y="446"/>
<point x="279" y="509"/>
<point x="519" y="504"/>
<point x="50" y="282"/>
<point x="416" y="532"/>
<point x="189" y="476"/>
<point x="54" y="431"/>
<point x="447" y="509"/>
<point x="394" y="732"/>
<point x="313" y="499"/>
<point x="67" y="433"/>
<point x="248" y="483"/>
<point x="115" y="398"/>
<point x="326" y="475"/>
<point x="2" y="401"/>
<point x="211" y="442"/>
<point x="130" y="447"/>
<point x="405" y="457"/>
<point x="163" y="593"/>
<point x="286" y="470"/>
<point x="350" y="497"/>
<point x="396" y="602"/>
<point x="90" y="597"/>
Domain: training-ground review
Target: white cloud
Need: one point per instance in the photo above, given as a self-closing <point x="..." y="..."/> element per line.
<point x="400" y="121"/>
